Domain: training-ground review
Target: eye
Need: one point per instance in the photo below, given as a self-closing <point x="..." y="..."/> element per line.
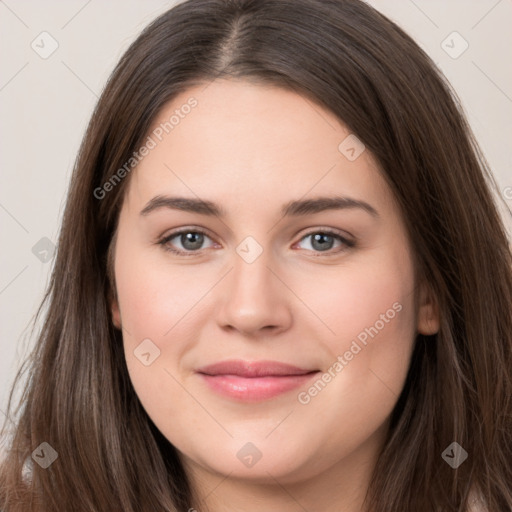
<point x="191" y="241"/>
<point x="323" y="241"/>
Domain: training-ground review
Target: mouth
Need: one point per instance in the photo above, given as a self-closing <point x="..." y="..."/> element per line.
<point x="254" y="381"/>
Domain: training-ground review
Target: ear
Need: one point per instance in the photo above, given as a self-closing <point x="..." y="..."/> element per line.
<point x="112" y="292"/>
<point x="428" y="311"/>
<point x="116" y="313"/>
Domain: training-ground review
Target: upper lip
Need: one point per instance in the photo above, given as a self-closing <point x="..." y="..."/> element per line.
<point x="252" y="368"/>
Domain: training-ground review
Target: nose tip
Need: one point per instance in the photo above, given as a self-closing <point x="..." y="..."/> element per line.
<point x="254" y="300"/>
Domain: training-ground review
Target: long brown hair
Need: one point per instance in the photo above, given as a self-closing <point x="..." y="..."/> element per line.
<point x="347" y="57"/>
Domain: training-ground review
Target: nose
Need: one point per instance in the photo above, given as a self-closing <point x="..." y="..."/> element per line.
<point x="255" y="298"/>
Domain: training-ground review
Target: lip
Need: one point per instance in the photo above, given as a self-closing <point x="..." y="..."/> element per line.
<point x="252" y="381"/>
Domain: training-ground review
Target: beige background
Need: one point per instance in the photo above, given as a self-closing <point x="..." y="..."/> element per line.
<point x="45" y="104"/>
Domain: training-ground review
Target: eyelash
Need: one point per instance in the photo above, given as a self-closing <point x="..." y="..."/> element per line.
<point x="164" y="242"/>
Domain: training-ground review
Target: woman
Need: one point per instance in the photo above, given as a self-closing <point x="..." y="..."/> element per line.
<point x="281" y="281"/>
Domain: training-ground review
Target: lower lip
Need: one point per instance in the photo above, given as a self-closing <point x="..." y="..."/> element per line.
<point x="255" y="388"/>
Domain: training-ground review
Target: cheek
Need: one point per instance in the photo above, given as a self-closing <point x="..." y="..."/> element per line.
<point x="372" y="315"/>
<point x="368" y="317"/>
<point x="159" y="303"/>
<point x="155" y="298"/>
<point x="368" y="302"/>
<point x="156" y="301"/>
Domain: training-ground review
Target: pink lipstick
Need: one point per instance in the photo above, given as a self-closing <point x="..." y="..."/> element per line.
<point x="253" y="381"/>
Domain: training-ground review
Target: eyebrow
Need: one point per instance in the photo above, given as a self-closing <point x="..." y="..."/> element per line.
<point x="290" y="209"/>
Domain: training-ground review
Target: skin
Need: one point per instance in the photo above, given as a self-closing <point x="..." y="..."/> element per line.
<point x="250" y="149"/>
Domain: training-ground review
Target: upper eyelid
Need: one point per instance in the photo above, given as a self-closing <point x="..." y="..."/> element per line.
<point x="180" y="231"/>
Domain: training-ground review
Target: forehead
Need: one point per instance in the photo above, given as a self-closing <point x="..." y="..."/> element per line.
<point x="237" y="142"/>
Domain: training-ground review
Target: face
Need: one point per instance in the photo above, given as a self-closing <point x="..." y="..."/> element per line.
<point x="311" y="304"/>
